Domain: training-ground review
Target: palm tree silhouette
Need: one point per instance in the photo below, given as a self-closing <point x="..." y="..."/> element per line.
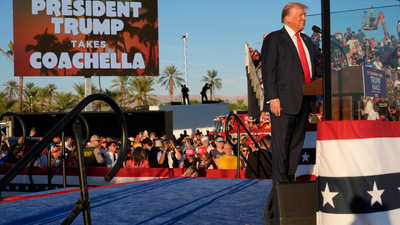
<point x="51" y="89"/>
<point x="5" y="104"/>
<point x="45" y="43"/>
<point x="63" y="100"/>
<point x="65" y="46"/>
<point x="170" y="79"/>
<point x="139" y="87"/>
<point x="148" y="34"/>
<point x="114" y="94"/>
<point x="30" y="103"/>
<point x="11" y="89"/>
<point x="213" y="81"/>
<point x="149" y="37"/>
<point x="80" y="90"/>
<point x="43" y="95"/>
<point x="131" y="56"/>
<point x="120" y="83"/>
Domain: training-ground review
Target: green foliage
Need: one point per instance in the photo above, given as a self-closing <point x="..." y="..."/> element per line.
<point x="63" y="100"/>
<point x="139" y="88"/>
<point x="171" y="80"/>
<point x="194" y="102"/>
<point x="11" y="89"/>
<point x="7" y="105"/>
<point x="239" y="105"/>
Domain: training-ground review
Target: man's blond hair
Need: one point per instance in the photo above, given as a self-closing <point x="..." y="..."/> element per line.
<point x="289" y="6"/>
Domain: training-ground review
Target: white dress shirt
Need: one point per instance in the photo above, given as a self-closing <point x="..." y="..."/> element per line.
<point x="110" y="162"/>
<point x="292" y="34"/>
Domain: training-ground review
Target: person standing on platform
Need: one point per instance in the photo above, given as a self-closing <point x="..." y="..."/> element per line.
<point x="204" y="92"/>
<point x="185" y="95"/>
<point x="289" y="60"/>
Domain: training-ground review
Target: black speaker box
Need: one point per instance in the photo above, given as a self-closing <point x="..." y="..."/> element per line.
<point x="291" y="203"/>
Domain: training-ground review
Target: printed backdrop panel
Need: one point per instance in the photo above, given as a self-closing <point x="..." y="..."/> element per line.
<point x="85" y="38"/>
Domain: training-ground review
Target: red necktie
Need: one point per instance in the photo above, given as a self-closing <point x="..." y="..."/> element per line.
<point x="303" y="60"/>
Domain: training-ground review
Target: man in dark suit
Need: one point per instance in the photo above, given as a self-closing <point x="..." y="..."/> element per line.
<point x="260" y="161"/>
<point x="289" y="60"/>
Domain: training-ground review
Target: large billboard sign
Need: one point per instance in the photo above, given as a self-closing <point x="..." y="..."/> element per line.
<point x="85" y="38"/>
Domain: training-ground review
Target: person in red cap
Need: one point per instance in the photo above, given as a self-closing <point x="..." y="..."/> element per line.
<point x="205" y="161"/>
<point x="251" y="144"/>
<point x="55" y="159"/>
<point x="260" y="161"/>
<point x="264" y="120"/>
<point x="103" y="145"/>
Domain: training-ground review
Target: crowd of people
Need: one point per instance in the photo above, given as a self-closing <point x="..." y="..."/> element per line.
<point x="356" y="49"/>
<point x="196" y="151"/>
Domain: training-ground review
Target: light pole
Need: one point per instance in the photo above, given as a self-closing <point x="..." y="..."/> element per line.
<point x="31" y="100"/>
<point x="184" y="49"/>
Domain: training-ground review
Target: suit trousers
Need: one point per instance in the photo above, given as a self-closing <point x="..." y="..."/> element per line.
<point x="287" y="134"/>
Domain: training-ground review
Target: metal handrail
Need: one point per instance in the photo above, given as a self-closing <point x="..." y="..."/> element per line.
<point x="23" y="130"/>
<point x="23" y="135"/>
<point x="73" y="115"/>
<point x="240" y="123"/>
<point x="63" y="160"/>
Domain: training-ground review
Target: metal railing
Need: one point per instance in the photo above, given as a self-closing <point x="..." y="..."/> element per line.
<point x="255" y="45"/>
<point x="63" y="162"/>
<point x="83" y="204"/>
<point x="228" y="139"/>
<point x="23" y="129"/>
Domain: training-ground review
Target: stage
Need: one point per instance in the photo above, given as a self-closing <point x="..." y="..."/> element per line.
<point x="162" y="201"/>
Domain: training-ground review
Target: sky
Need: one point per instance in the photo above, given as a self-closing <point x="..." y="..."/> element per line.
<point x="217" y="33"/>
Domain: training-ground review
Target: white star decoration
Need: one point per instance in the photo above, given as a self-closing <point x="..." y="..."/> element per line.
<point x="328" y="196"/>
<point x="17" y="187"/>
<point x="305" y="156"/>
<point x="376" y="194"/>
<point x="26" y="187"/>
<point x="46" y="188"/>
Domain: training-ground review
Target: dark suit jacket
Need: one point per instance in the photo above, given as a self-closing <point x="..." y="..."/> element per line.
<point x="282" y="72"/>
<point x="257" y="161"/>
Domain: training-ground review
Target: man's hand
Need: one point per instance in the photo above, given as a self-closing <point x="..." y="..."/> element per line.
<point x="275" y="106"/>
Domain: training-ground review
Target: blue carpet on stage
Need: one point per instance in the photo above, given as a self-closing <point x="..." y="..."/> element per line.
<point x="166" y="201"/>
